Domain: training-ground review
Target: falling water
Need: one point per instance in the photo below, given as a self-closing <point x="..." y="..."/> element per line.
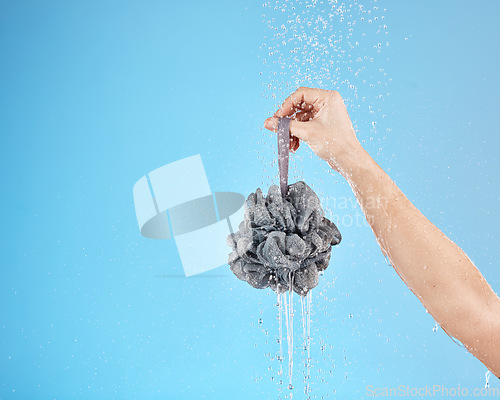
<point x="305" y="303"/>
<point x="285" y="304"/>
<point x="290" y="343"/>
<point x="288" y="301"/>
<point x="280" y="339"/>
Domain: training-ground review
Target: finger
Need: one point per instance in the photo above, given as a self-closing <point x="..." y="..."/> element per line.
<point x="294" y="143"/>
<point x="271" y="124"/>
<point x="303" y="99"/>
<point x="304" y="116"/>
<point x="297" y="128"/>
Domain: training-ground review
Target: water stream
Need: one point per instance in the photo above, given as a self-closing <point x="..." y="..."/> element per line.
<point x="285" y="305"/>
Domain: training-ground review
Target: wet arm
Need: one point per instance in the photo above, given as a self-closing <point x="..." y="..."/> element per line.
<point x="435" y="269"/>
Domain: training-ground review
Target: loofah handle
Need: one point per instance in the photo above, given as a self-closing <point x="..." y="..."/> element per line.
<point x="283" y="153"/>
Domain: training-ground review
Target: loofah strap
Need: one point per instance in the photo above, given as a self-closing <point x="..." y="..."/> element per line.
<point x="283" y="152"/>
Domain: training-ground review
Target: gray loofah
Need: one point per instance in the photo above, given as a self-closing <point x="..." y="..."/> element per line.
<point x="283" y="239"/>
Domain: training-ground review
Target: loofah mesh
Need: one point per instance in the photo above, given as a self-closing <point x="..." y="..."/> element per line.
<point x="283" y="239"/>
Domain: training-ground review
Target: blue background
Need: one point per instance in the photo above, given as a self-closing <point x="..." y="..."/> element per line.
<point x="93" y="95"/>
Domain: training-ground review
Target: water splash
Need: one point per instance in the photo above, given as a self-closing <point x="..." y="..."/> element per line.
<point x="328" y="44"/>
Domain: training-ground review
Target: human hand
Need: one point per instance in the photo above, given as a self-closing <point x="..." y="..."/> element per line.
<point x="319" y="118"/>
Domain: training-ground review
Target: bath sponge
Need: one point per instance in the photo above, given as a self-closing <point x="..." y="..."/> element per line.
<point x="283" y="241"/>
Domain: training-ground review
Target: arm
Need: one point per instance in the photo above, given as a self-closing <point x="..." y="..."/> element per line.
<point x="435" y="269"/>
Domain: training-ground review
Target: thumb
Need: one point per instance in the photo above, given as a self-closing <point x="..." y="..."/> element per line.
<point x="297" y="128"/>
